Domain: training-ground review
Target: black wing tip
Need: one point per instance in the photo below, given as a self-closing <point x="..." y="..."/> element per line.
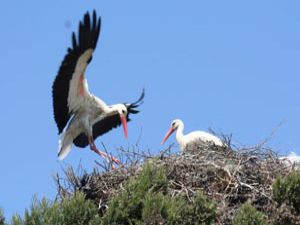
<point x="88" y="31"/>
<point x="87" y="14"/>
<point x="91" y="17"/>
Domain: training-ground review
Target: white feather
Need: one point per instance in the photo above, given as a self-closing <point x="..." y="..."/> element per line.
<point x="64" y="145"/>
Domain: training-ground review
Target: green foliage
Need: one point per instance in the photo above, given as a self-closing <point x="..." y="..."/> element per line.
<point x="73" y="211"/>
<point x="279" y="190"/>
<point x="16" y="220"/>
<point x="2" y="218"/>
<point x="248" y="215"/>
<point x="127" y="207"/>
<point x="204" y="211"/>
<point x="77" y="210"/>
<point x="144" y="201"/>
<point x="158" y="208"/>
<point x="288" y="190"/>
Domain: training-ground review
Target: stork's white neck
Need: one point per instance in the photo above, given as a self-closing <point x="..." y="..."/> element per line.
<point x="180" y="136"/>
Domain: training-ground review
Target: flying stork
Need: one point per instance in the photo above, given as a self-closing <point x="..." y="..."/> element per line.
<point x="80" y="116"/>
<point x="193" y="137"/>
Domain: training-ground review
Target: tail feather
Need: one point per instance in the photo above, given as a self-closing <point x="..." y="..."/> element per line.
<point x="64" y="146"/>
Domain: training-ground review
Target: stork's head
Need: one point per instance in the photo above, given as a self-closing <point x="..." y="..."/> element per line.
<point x="176" y="123"/>
<point x="121" y="109"/>
<point x="174" y="126"/>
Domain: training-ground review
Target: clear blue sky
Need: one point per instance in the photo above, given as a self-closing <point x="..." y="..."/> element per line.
<point x="229" y="65"/>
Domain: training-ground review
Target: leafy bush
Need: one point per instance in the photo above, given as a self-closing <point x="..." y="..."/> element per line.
<point x="279" y="190"/>
<point x="161" y="209"/>
<point x="2" y="218"/>
<point x="73" y="211"/>
<point x="248" y="215"/>
<point x="288" y="190"/>
<point x="144" y="201"/>
<point x="204" y="210"/>
<point x="127" y="207"/>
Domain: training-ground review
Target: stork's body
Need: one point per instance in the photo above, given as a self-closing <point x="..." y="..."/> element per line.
<point x="291" y="159"/>
<point x="80" y="128"/>
<point x="191" y="138"/>
<point x="81" y="116"/>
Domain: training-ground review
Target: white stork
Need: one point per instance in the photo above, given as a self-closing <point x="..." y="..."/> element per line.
<point x="193" y="137"/>
<point x="291" y="159"/>
<point x="81" y="116"/>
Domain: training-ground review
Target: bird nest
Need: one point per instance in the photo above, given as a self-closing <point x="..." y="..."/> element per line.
<point x="229" y="176"/>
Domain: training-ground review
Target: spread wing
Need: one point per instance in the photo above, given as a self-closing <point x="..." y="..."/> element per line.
<point x="69" y="88"/>
<point x="108" y="123"/>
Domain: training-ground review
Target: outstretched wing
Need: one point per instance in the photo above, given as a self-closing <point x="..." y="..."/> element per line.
<point x="109" y="122"/>
<point x="69" y="88"/>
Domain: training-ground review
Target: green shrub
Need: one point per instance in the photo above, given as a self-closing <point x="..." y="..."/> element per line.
<point x="279" y="190"/>
<point x="161" y="209"/>
<point x="73" y="211"/>
<point x="126" y="208"/>
<point x="145" y="201"/>
<point x="248" y="215"/>
<point x="77" y="210"/>
<point x="2" y="218"/>
<point x="288" y="190"/>
<point x="16" y="220"/>
<point x="203" y="210"/>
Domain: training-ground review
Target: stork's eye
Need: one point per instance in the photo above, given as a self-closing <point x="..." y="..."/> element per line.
<point x="123" y="111"/>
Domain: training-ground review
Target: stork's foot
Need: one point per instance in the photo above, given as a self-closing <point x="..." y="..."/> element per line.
<point x="110" y="158"/>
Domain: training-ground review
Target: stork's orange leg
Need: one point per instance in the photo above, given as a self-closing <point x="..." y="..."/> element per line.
<point x="101" y="153"/>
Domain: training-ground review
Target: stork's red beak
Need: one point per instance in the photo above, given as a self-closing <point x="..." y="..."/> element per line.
<point x="124" y="123"/>
<point x="168" y="134"/>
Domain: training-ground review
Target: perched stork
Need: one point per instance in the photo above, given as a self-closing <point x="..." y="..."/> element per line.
<point x="291" y="159"/>
<point x="193" y="137"/>
<point x="81" y="116"/>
